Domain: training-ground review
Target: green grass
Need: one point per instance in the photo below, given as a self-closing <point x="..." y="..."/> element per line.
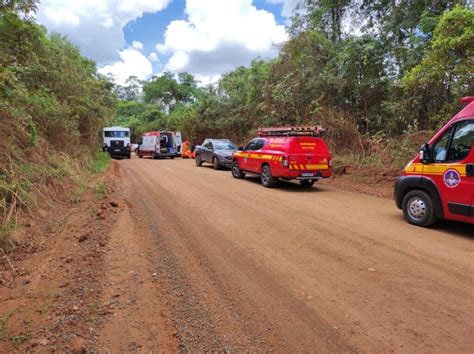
<point x="100" y="189"/>
<point x="78" y="192"/>
<point x="99" y="162"/>
<point x="4" y="319"/>
<point x="94" y="306"/>
<point x="19" y="339"/>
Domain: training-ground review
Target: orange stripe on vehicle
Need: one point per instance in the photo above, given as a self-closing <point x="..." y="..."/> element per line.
<point x="436" y="169"/>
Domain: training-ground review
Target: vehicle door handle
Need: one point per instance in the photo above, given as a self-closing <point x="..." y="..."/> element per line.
<point x="470" y="169"/>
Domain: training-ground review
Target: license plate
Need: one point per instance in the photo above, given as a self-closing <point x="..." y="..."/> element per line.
<point x="117" y="150"/>
<point x="307" y="174"/>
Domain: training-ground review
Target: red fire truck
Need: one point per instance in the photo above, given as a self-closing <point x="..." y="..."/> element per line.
<point x="439" y="182"/>
<point x="285" y="153"/>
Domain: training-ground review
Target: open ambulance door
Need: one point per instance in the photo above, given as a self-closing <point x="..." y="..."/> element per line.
<point x="178" y="142"/>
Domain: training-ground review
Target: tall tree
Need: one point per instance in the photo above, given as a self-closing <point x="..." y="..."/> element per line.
<point x="434" y="86"/>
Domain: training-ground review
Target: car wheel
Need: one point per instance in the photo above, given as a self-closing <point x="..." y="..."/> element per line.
<point x="215" y="162"/>
<point x="129" y="156"/>
<point x="307" y="183"/>
<point x="236" y="172"/>
<point x="266" y="177"/>
<point x="172" y="157"/>
<point x="418" y="208"/>
<point x="198" y="161"/>
<point x="140" y="155"/>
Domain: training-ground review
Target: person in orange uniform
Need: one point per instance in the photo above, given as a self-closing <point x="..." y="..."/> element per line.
<point x="186" y="150"/>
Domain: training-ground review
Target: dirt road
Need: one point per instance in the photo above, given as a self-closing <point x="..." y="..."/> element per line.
<point x="226" y="264"/>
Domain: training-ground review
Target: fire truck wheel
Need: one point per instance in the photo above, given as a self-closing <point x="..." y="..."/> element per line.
<point x="198" y="161"/>
<point x="215" y="162"/>
<point x="307" y="183"/>
<point x="418" y="208"/>
<point x="236" y="172"/>
<point x="266" y="177"/>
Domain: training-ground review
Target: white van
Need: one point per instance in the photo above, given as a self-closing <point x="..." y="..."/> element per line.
<point x="116" y="140"/>
<point x="159" y="144"/>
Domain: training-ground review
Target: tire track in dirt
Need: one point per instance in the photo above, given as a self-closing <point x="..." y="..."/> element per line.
<point x="138" y="319"/>
<point x="247" y="268"/>
<point x="230" y="306"/>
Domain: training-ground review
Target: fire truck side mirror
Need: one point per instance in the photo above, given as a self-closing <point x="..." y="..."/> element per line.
<point x="425" y="154"/>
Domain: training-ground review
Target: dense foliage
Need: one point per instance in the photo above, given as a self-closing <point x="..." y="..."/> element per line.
<point x="376" y="73"/>
<point x="401" y="69"/>
<point x="52" y="106"/>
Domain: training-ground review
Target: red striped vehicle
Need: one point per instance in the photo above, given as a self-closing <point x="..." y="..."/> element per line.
<point x="285" y="153"/>
<point x="439" y="182"/>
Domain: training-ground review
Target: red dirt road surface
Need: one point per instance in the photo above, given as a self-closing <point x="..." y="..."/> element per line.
<point x="184" y="258"/>
<point x="236" y="266"/>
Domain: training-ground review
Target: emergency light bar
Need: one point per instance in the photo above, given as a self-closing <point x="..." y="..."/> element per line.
<point x="315" y="130"/>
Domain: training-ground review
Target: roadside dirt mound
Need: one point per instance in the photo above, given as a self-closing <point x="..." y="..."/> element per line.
<point x="55" y="300"/>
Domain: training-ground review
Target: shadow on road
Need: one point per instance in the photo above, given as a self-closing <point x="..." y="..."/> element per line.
<point x="455" y="228"/>
<point x="451" y="227"/>
<point x="222" y="169"/>
<point x="290" y="186"/>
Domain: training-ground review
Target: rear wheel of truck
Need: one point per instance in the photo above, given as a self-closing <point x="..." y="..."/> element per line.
<point x="307" y="183"/>
<point x="198" y="161"/>
<point x="418" y="208"/>
<point x="215" y="162"/>
<point x="236" y="172"/>
<point x="266" y="177"/>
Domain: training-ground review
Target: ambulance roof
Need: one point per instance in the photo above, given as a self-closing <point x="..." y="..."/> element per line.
<point x="116" y="129"/>
<point x="466" y="112"/>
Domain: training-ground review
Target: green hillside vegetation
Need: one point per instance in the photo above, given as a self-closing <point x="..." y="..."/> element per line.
<point x="379" y="92"/>
<point x="53" y="105"/>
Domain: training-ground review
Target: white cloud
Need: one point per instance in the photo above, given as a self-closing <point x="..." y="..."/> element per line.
<point x="153" y="57"/>
<point x="162" y="49"/>
<point x="137" y="45"/>
<point x="289" y="6"/>
<point x="132" y="62"/>
<point x="96" y="26"/>
<point x="205" y="80"/>
<point x="62" y="17"/>
<point x="219" y="35"/>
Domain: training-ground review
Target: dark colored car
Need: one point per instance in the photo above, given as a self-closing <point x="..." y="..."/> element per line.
<point x="216" y="151"/>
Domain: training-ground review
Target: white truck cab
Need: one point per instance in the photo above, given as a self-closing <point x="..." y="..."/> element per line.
<point x="116" y="141"/>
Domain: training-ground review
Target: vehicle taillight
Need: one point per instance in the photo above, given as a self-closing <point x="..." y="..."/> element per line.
<point x="285" y="162"/>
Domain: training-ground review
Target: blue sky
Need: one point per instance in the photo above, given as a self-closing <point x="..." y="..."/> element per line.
<point x="146" y="37"/>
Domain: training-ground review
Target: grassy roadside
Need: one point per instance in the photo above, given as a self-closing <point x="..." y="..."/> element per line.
<point x="26" y="186"/>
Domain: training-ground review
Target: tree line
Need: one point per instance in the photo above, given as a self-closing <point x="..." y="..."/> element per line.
<point x="401" y="69"/>
<point x="53" y="105"/>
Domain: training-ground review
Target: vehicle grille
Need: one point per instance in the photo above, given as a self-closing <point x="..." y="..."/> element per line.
<point x="116" y="143"/>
